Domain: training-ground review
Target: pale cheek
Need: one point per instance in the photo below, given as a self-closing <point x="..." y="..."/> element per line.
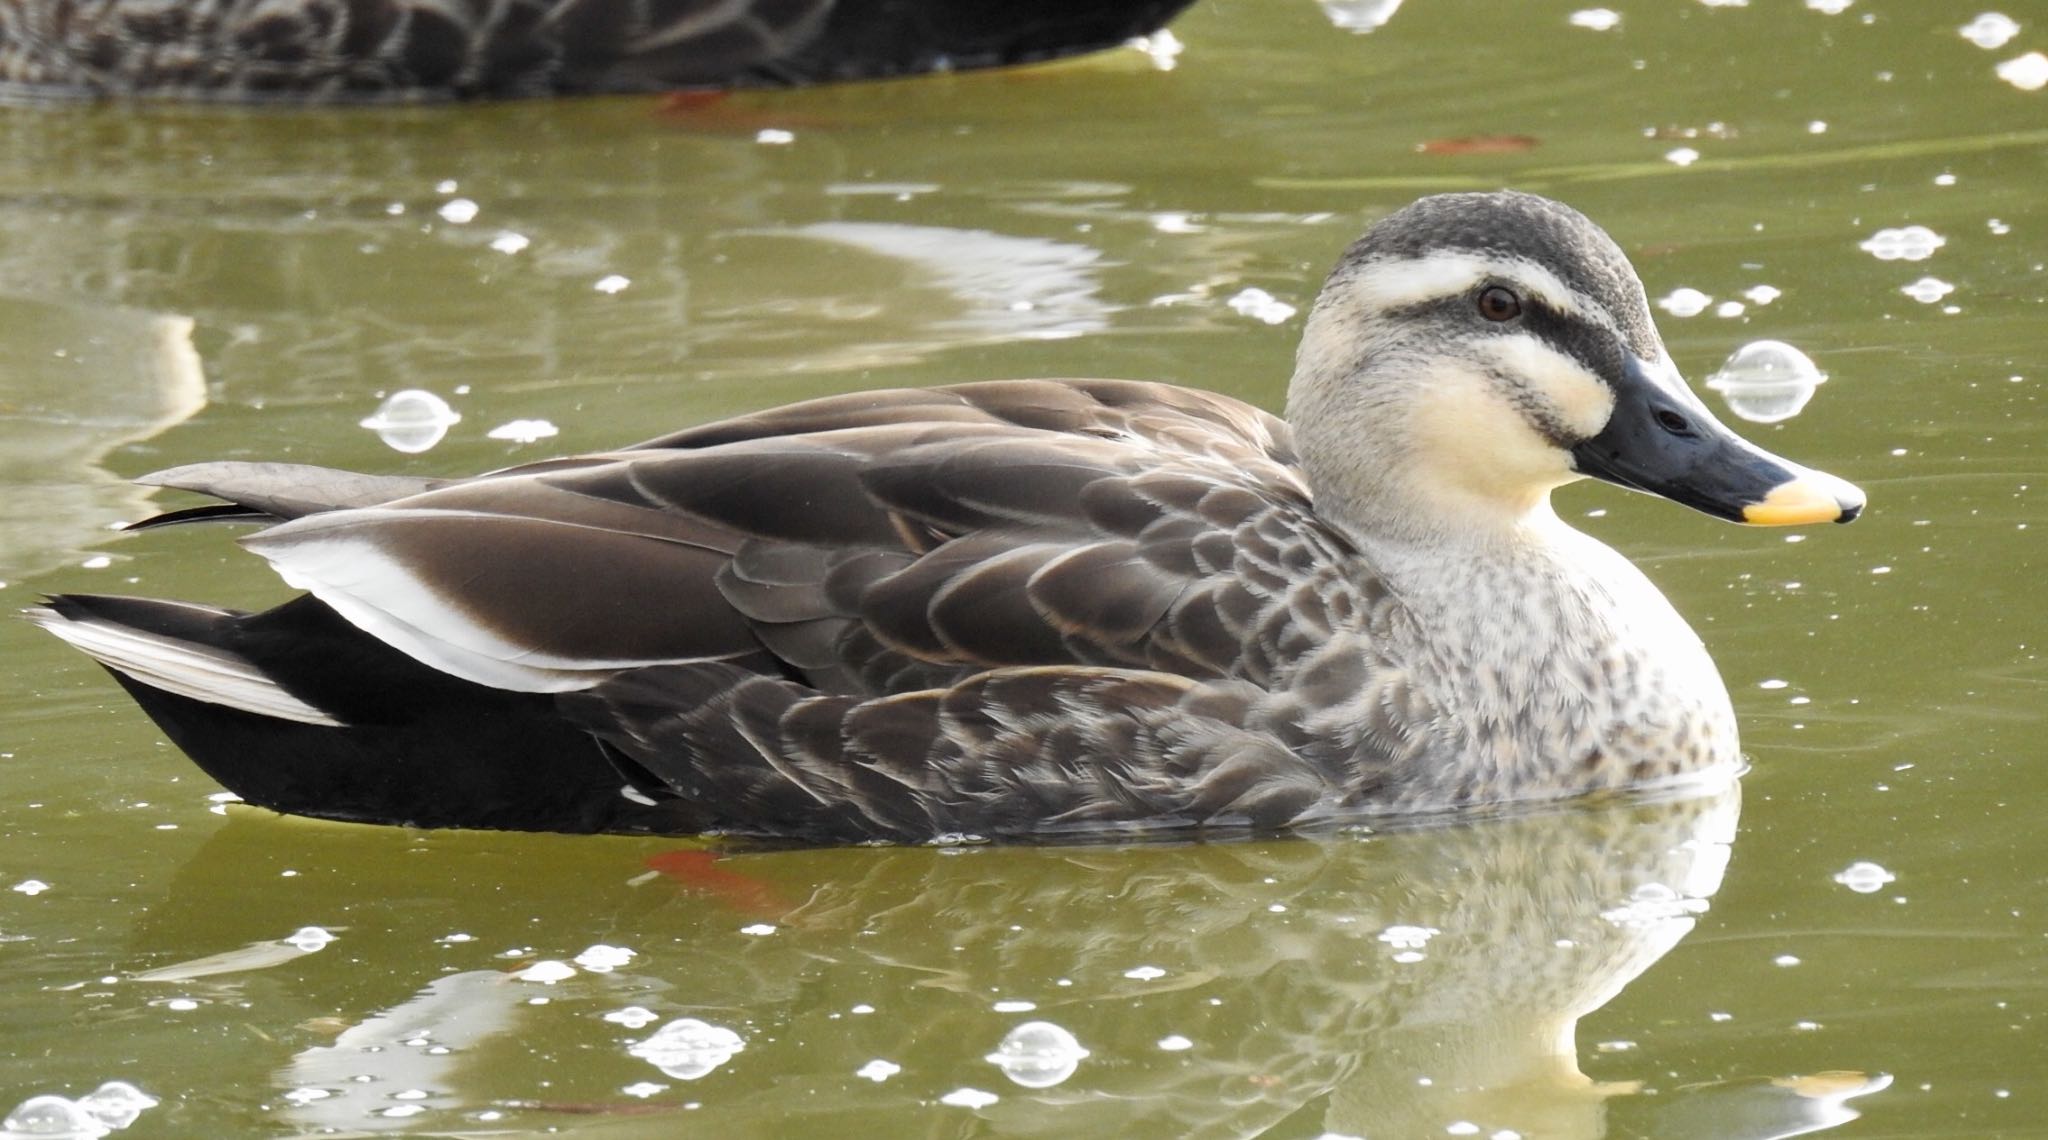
<point x="1467" y="436"/>
<point x="1578" y="398"/>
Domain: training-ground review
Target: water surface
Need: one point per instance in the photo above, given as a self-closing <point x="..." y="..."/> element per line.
<point x="181" y="284"/>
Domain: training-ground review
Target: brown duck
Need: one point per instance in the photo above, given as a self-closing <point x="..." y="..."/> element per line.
<point x="1019" y="609"/>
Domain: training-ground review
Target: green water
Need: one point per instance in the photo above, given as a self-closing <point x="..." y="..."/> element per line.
<point x="181" y="284"/>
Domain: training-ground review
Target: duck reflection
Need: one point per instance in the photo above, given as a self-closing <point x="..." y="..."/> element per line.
<point x="1396" y="985"/>
<point x="1386" y="985"/>
<point x="370" y="279"/>
<point x="81" y="382"/>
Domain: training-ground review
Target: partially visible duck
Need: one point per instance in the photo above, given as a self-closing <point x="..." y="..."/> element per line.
<point x="360" y="50"/>
<point x="1019" y="609"/>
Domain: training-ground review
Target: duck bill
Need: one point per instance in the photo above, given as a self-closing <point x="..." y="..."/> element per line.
<point x="1662" y="440"/>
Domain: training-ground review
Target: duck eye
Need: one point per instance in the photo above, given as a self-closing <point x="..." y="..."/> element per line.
<point x="1499" y="303"/>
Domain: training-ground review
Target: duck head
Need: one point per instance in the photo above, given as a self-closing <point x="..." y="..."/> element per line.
<point x="1472" y="352"/>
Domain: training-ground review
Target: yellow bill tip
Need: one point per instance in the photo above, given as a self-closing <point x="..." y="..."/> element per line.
<point x="1808" y="497"/>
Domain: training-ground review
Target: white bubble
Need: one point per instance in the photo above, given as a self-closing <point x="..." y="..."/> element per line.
<point x="31" y="886"/>
<point x="460" y="211"/>
<point x="1598" y="19"/>
<point x="1360" y="16"/>
<point x="509" y="242"/>
<point x="1928" y="290"/>
<point x="412" y="420"/>
<point x="1654" y="904"/>
<point x="969" y="1098"/>
<point x="309" y="938"/>
<point x="1762" y="294"/>
<point x="52" y="1116"/>
<point x="1766" y="381"/>
<point x="547" y="971"/>
<point x="1174" y="1043"/>
<point x="112" y="1106"/>
<point x="1785" y="960"/>
<point x="1830" y="7"/>
<point x="878" y="1070"/>
<point x="1145" y="973"/>
<point x="687" y="1048"/>
<point x="1685" y="301"/>
<point x="1037" y="1055"/>
<point x="1403" y="937"/>
<point x="1162" y="47"/>
<point x="1865" y="878"/>
<point x="633" y="1016"/>
<point x="612" y="283"/>
<point x="603" y="959"/>
<point x="1990" y="30"/>
<point x="1681" y="156"/>
<point x="1260" y="305"/>
<point x="759" y="929"/>
<point x="774" y="136"/>
<point x="524" y="431"/>
<point x="1014" y="1006"/>
<point x="1728" y="309"/>
<point x="643" y="1089"/>
<point x="1905" y="243"/>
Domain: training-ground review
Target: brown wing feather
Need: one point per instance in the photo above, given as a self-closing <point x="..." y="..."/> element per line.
<point x="869" y="538"/>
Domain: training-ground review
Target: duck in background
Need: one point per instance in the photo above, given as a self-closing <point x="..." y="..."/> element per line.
<point x="1044" y="609"/>
<point x="318" y="51"/>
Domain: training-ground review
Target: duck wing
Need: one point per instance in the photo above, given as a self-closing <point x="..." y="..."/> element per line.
<point x="869" y="544"/>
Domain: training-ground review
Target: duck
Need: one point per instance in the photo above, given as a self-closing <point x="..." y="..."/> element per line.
<point x="326" y="51"/>
<point x="1025" y="610"/>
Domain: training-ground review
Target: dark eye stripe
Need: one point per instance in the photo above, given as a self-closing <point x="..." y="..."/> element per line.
<point x="1592" y="345"/>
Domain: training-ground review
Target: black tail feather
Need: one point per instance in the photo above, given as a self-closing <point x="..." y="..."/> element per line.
<point x="415" y="747"/>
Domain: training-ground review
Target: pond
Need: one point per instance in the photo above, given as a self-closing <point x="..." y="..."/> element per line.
<point x="1861" y="944"/>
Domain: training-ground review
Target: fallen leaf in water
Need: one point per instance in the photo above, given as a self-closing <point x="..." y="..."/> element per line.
<point x="1478" y="144"/>
<point x="699" y="871"/>
<point x="692" y="100"/>
<point x="722" y="113"/>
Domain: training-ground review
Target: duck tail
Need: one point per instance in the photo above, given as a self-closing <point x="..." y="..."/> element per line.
<point x="295" y="710"/>
<point x="176" y="648"/>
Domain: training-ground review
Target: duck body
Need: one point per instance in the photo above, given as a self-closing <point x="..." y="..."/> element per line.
<point x="1019" y="609"/>
<point x="385" y="50"/>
